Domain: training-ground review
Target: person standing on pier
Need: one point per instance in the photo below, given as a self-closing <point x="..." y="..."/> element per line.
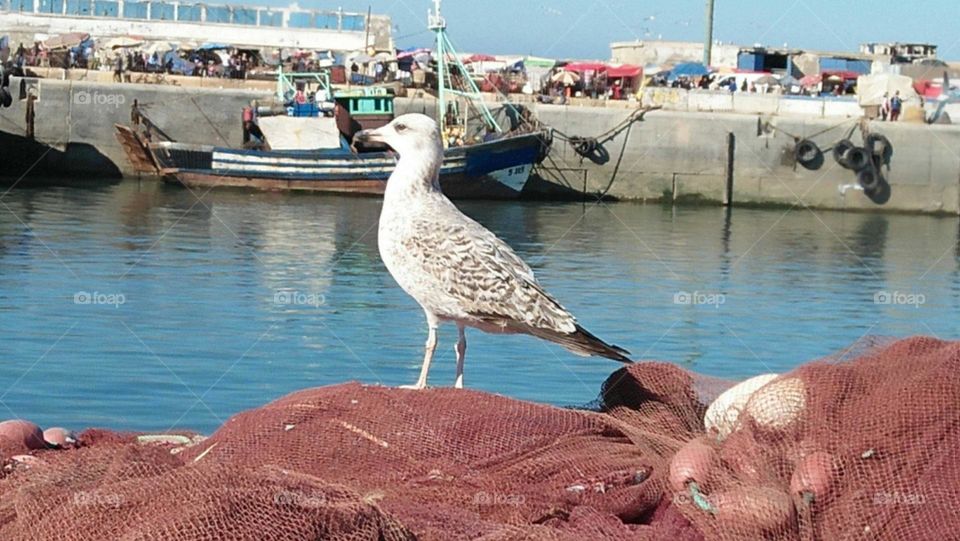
<point x="885" y="107"/>
<point x="118" y="68"/>
<point x="896" y="104"/>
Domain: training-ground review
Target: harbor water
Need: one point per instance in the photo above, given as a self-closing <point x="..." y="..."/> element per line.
<point x="136" y="305"/>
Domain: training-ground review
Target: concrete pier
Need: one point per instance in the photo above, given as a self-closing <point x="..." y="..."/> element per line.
<point x="73" y="123"/>
<point x="692" y="156"/>
<point x="679" y="155"/>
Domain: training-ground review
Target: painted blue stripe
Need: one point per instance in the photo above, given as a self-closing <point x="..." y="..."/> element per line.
<point x="280" y="175"/>
<point x="480" y="160"/>
<point x="324" y="153"/>
<point x="482" y="163"/>
<point x="364" y="164"/>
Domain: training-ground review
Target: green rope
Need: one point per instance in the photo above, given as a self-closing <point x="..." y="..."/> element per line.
<point x="700" y="500"/>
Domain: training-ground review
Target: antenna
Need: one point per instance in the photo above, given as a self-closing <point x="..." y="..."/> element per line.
<point x="434" y="19"/>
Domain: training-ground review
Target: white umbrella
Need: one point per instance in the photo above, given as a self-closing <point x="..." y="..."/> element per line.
<point x="122" y="42"/>
<point x="159" y="47"/>
<point x="568" y="78"/>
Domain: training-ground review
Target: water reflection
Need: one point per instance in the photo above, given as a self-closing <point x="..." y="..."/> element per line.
<point x="205" y="330"/>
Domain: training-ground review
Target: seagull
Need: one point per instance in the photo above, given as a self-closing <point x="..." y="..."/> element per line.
<point x="456" y="269"/>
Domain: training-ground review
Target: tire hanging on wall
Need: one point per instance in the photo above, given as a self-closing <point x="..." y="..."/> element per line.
<point x="808" y="154"/>
<point x="869" y="179"/>
<point x="858" y="158"/>
<point x="879" y="146"/>
<point x="840" y="150"/>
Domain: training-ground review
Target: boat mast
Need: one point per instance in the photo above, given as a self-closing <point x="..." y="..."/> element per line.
<point x="438" y="25"/>
<point x="444" y="48"/>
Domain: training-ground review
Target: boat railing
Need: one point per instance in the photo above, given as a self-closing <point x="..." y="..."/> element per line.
<point x="287" y="82"/>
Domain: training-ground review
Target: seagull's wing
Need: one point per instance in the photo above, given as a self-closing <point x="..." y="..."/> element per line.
<point x="492" y="284"/>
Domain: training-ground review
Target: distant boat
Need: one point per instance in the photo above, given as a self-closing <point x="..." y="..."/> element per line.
<point x="310" y="151"/>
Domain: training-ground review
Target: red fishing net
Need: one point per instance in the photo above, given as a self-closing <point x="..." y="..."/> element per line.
<point x="844" y="448"/>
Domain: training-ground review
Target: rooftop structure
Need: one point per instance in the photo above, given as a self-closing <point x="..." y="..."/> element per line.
<point x="659" y="52"/>
<point x="253" y="26"/>
<point x="900" y="52"/>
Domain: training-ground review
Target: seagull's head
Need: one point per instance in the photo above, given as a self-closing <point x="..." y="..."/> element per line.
<point x="407" y="135"/>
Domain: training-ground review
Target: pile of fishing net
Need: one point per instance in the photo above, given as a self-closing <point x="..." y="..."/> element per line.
<point x="856" y="446"/>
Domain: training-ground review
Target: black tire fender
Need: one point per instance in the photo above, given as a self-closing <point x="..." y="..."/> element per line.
<point x="858" y="158"/>
<point x="807" y="152"/>
<point x="869" y="179"/>
<point x="879" y="146"/>
<point x="840" y="150"/>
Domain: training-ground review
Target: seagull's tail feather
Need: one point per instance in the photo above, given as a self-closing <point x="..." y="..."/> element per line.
<point x="582" y="342"/>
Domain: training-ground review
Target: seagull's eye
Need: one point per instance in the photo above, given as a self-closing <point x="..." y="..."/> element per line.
<point x="401" y="127"/>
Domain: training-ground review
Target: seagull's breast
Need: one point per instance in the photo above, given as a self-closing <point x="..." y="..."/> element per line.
<point x="404" y="252"/>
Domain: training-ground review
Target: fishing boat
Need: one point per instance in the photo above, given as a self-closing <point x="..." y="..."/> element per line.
<point x="306" y="144"/>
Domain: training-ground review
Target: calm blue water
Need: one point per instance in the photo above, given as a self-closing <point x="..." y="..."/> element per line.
<point x="141" y="306"/>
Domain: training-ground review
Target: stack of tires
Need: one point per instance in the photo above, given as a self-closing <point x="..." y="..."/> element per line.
<point x="865" y="161"/>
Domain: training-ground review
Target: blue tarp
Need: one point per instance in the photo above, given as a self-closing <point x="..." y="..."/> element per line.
<point x="212" y="46"/>
<point x="178" y="65"/>
<point x="688" y="69"/>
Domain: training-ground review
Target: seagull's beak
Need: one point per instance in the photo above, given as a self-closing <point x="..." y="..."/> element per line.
<point x="368" y="138"/>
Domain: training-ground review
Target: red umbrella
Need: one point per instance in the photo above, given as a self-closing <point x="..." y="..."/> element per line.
<point x="585" y="66"/>
<point x="625" y="70"/>
<point x="480" y="58"/>
<point x="811" y="80"/>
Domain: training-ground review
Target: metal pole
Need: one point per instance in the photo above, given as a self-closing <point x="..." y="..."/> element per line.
<point x="708" y="36"/>
<point x="366" y="38"/>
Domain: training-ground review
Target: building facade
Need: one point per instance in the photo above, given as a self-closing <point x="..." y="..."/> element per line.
<point x="251" y="26"/>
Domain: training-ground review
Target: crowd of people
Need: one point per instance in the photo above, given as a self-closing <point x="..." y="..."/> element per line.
<point x="227" y="63"/>
<point x="197" y="63"/>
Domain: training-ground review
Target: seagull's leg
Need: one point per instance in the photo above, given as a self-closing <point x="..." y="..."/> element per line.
<point x="461" y="349"/>
<point x="429" y="348"/>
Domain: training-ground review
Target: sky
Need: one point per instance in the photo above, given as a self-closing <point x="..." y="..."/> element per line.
<point x="584" y="28"/>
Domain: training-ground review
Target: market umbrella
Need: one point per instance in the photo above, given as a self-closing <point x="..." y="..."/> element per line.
<point x="811" y="80"/>
<point x="413" y="52"/>
<point x="159" y="47"/>
<point x="581" y="67"/>
<point x="789" y="82"/>
<point x="210" y="46"/>
<point x="65" y="41"/>
<point x="539" y="62"/>
<point x="623" y="70"/>
<point x="689" y="69"/>
<point x="568" y="78"/>
<point x="479" y="58"/>
<point x="122" y="42"/>
<point x="767" y="80"/>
